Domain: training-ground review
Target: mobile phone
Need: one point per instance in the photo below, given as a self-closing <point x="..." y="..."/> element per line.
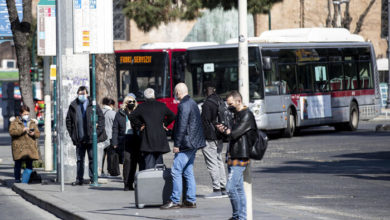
<point x="32" y="129"/>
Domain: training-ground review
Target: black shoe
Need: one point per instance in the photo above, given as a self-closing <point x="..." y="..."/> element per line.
<point x="187" y="204"/>
<point x="18" y="181"/>
<point x="77" y="183"/>
<point x="126" y="188"/>
<point x="170" y="205"/>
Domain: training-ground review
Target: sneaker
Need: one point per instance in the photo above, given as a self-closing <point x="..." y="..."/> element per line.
<point x="214" y="195"/>
<point x="77" y="183"/>
<point x="170" y="205"/>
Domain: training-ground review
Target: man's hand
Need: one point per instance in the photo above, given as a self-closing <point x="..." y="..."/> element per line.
<point x="115" y="146"/>
<point x="176" y="150"/>
<point x="223" y="129"/>
<point x="142" y="127"/>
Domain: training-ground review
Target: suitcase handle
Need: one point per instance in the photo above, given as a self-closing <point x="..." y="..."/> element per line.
<point x="160" y="167"/>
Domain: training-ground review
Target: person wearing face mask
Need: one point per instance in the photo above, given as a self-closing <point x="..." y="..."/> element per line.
<point x="79" y="125"/>
<point x="243" y="135"/>
<point x="24" y="133"/>
<point x="152" y="118"/>
<point x="126" y="141"/>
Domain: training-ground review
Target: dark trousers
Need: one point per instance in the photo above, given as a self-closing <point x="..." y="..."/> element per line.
<point x="81" y="149"/>
<point x="151" y="159"/>
<point x="18" y="167"/>
<point x="131" y="157"/>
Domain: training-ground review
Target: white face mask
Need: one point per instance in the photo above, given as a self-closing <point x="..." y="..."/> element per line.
<point x="26" y="117"/>
<point x="82" y="98"/>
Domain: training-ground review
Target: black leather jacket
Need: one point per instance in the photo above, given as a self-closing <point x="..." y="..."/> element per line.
<point x="243" y="134"/>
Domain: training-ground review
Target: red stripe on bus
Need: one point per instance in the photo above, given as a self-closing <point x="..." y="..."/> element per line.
<point x="334" y="94"/>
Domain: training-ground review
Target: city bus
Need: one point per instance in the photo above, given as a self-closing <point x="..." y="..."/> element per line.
<point x="155" y="65"/>
<point x="297" y="78"/>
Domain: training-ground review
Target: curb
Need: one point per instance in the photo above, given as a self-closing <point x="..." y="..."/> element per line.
<point x="53" y="209"/>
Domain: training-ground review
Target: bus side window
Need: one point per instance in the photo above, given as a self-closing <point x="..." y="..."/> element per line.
<point x="272" y="81"/>
<point x="365" y="75"/>
<point x="287" y="78"/>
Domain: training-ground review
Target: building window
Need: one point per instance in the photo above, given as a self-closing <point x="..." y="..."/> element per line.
<point x="119" y="19"/>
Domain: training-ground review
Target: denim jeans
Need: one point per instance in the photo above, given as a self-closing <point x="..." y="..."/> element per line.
<point x="183" y="166"/>
<point x="80" y="154"/>
<point x="235" y="189"/>
<point x="18" y="167"/>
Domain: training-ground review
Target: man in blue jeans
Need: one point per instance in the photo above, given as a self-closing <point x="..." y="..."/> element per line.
<point x="242" y="136"/>
<point x="188" y="138"/>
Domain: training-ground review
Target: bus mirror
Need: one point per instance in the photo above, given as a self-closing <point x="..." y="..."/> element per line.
<point x="267" y="63"/>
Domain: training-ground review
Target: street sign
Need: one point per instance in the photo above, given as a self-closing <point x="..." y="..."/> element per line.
<point x="46" y="28"/>
<point x="93" y="26"/>
<point x="5" y="26"/>
<point x="53" y="72"/>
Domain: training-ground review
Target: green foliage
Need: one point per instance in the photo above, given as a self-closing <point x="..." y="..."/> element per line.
<point x="151" y="13"/>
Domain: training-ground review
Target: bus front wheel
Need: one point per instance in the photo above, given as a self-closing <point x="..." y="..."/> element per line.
<point x="289" y="131"/>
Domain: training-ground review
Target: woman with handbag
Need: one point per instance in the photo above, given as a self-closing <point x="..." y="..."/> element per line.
<point x="24" y="133"/>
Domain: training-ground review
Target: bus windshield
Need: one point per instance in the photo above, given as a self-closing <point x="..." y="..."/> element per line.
<point x="219" y="68"/>
<point x="138" y="71"/>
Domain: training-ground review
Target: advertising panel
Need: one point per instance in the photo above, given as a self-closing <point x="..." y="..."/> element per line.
<point x="46" y="28"/>
<point x="5" y="26"/>
<point x="318" y="106"/>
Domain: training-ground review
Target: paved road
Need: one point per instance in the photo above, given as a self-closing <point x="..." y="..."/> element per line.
<point x="333" y="175"/>
<point x="12" y="207"/>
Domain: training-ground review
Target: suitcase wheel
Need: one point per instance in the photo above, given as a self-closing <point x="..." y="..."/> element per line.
<point x="140" y="206"/>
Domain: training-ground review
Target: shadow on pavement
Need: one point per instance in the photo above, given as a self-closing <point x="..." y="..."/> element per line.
<point x="371" y="166"/>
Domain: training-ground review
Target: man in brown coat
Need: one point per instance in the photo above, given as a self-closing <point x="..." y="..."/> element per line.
<point x="24" y="133"/>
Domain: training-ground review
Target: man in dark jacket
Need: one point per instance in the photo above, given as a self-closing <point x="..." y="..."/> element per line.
<point x="79" y="125"/>
<point x="188" y="137"/>
<point x="213" y="151"/>
<point x="242" y="136"/>
<point x="152" y="118"/>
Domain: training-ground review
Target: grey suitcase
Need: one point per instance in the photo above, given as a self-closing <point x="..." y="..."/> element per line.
<point x="153" y="187"/>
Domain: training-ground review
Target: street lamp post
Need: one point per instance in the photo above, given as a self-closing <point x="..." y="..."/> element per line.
<point x="388" y="54"/>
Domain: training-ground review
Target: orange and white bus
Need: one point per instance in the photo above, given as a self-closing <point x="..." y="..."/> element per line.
<point x="297" y="78"/>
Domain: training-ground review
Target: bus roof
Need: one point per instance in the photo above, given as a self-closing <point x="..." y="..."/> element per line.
<point x="176" y="45"/>
<point x="302" y="35"/>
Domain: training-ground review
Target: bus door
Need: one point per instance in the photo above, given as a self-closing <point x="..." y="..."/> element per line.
<point x="273" y="99"/>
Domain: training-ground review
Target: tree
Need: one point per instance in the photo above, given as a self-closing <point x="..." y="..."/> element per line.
<point x="21" y="31"/>
<point x="106" y="77"/>
<point x="148" y="14"/>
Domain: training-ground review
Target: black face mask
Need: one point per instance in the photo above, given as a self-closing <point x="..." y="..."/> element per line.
<point x="232" y="109"/>
<point x="130" y="106"/>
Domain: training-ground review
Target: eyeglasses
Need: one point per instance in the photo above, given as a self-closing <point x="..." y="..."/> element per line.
<point x="131" y="101"/>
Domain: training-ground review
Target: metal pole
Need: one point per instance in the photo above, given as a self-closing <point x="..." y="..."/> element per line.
<point x="54" y="128"/>
<point x="388" y="53"/>
<point x="94" y="134"/>
<point x="48" y="145"/>
<point x="269" y="18"/>
<point x="59" y="69"/>
<point x="243" y="86"/>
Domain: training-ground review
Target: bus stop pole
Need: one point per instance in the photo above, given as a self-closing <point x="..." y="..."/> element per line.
<point x="243" y="85"/>
<point x="94" y="134"/>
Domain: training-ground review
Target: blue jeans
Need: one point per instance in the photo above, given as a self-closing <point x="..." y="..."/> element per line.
<point x="18" y="167"/>
<point x="235" y="189"/>
<point x="81" y="149"/>
<point x="183" y="166"/>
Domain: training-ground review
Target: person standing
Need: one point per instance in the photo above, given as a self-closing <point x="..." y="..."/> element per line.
<point x="242" y="136"/>
<point x="125" y="137"/>
<point x="24" y="133"/>
<point x="79" y="125"/>
<point x="152" y="118"/>
<point x="214" y="145"/>
<point x="188" y="137"/>
<point x="109" y="116"/>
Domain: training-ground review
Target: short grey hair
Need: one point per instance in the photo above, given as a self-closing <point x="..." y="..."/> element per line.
<point x="149" y="93"/>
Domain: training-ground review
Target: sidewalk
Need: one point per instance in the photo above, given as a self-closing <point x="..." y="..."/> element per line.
<point x="109" y="201"/>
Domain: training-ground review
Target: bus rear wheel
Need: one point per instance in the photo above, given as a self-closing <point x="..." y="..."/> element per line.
<point x="353" y="122"/>
<point x="291" y="126"/>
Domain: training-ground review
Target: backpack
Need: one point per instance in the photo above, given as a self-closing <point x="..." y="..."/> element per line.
<point x="260" y="146"/>
<point x="224" y="116"/>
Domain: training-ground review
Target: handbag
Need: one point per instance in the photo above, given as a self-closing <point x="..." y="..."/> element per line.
<point x="259" y="147"/>
<point x="26" y="175"/>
